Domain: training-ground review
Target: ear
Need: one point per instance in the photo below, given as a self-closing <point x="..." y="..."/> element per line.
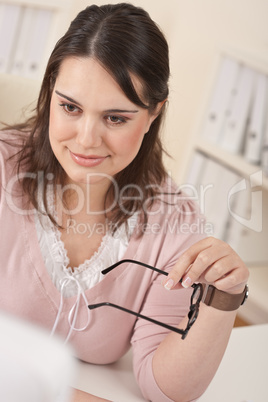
<point x="155" y="113"/>
<point x="159" y="107"/>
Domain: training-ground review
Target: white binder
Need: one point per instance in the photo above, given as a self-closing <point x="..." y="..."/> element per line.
<point x="18" y="63"/>
<point x="37" y="43"/>
<point x="249" y="241"/>
<point x="264" y="151"/>
<point x="240" y="203"/>
<point x="216" y="182"/>
<point x="196" y="167"/>
<point x="234" y="131"/>
<point x="255" y="133"/>
<point x="10" y="15"/>
<point x="1" y="13"/>
<point x="221" y="98"/>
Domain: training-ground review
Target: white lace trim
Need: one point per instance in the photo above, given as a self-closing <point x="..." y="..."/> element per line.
<point x="88" y="274"/>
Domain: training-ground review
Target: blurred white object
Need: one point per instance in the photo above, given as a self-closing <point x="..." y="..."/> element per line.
<point x="33" y="366"/>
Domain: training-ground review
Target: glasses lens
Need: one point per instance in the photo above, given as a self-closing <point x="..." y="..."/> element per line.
<point x="192" y="315"/>
<point x="195" y="301"/>
<point x="197" y="294"/>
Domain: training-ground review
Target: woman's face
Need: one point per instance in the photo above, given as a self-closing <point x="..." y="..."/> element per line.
<point x="95" y="130"/>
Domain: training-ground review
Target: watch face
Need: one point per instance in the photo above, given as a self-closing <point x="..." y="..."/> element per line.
<point x="246" y="295"/>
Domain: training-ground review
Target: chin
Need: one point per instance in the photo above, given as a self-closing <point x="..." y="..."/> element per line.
<point x="89" y="179"/>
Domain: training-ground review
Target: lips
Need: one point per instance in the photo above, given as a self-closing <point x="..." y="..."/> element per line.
<point x="87" y="160"/>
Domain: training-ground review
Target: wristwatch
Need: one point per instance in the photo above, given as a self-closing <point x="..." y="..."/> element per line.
<point x="222" y="300"/>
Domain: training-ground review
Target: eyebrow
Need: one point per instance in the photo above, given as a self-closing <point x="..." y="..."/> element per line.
<point x="68" y="98"/>
<point x="106" y="111"/>
<point x="120" y="111"/>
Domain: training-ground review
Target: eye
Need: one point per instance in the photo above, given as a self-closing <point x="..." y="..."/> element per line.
<point x="69" y="108"/>
<point x="115" y="120"/>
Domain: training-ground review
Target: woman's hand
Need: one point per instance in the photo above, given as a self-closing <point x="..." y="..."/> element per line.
<point x="209" y="261"/>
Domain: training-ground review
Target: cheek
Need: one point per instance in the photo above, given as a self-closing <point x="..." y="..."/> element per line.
<point x="59" y="130"/>
<point x="53" y="125"/>
<point x="133" y="140"/>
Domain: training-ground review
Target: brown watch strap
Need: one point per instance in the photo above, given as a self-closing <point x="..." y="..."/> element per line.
<point x="222" y="300"/>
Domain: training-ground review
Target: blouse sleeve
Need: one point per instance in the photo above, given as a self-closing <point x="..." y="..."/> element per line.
<point x="182" y="229"/>
<point x="10" y="145"/>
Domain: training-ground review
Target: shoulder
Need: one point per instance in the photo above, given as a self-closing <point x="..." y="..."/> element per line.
<point x="11" y="141"/>
<point x="174" y="223"/>
<point x="173" y="203"/>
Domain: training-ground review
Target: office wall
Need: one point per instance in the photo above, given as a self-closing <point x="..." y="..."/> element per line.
<point x="196" y="31"/>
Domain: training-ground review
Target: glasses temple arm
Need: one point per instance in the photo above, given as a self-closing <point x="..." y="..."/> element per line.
<point x="160" y="271"/>
<point x="106" y="270"/>
<point x="174" y="329"/>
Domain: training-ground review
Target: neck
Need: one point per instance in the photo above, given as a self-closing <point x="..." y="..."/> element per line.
<point x="87" y="200"/>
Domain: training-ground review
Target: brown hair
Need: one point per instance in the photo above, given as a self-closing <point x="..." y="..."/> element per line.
<point x="125" y="40"/>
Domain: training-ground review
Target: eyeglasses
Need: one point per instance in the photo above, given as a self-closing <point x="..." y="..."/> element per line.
<point x="194" y="306"/>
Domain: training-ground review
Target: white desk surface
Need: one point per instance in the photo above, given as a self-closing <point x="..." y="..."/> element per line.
<point x="241" y="377"/>
<point x="115" y="382"/>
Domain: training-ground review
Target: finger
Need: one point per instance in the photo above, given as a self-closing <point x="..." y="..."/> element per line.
<point x="220" y="268"/>
<point x="203" y="262"/>
<point x="234" y="281"/>
<point x="185" y="261"/>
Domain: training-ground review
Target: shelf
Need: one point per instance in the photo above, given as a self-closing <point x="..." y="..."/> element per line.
<point x="234" y="162"/>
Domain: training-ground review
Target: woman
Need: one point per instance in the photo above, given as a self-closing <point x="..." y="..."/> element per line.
<point x="84" y="186"/>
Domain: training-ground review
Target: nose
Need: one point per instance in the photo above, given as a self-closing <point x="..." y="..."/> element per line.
<point x="89" y="133"/>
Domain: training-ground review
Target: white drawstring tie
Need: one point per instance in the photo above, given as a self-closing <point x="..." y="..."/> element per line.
<point x="74" y="310"/>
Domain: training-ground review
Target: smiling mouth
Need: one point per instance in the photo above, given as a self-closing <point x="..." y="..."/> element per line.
<point x="87" y="160"/>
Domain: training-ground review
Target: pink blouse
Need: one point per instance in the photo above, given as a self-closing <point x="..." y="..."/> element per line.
<point x="26" y="289"/>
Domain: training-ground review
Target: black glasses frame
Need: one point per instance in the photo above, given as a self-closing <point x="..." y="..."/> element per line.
<point x="194" y="306"/>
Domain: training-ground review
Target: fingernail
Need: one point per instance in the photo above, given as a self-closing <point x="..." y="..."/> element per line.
<point x="186" y="282"/>
<point x="169" y="284"/>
